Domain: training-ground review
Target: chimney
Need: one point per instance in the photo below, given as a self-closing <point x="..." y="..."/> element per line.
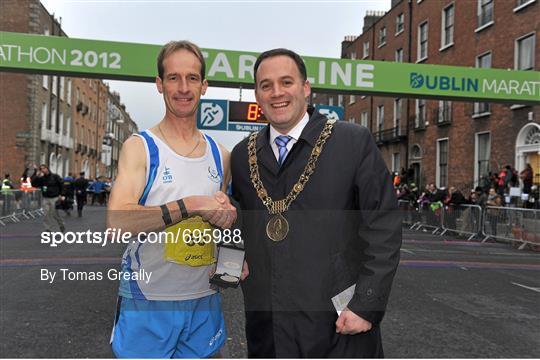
<point x="347" y="41"/>
<point x="371" y="18"/>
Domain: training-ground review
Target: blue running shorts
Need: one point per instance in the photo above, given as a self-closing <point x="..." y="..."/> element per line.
<point x="169" y="329"/>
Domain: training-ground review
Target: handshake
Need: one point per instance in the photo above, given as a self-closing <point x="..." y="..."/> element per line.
<point x="216" y="209"/>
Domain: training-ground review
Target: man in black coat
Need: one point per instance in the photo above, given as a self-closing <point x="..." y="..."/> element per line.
<point x="51" y="186"/>
<point x="80" y="185"/>
<point x="336" y="226"/>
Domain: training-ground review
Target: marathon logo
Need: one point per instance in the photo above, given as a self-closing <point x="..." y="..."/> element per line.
<point x="465" y="84"/>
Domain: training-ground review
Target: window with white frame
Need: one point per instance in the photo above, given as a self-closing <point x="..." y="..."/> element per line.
<point x="353" y="55"/>
<point x="45" y="82"/>
<point x="53" y="120"/>
<point x="68" y="95"/>
<point x="352" y="99"/>
<point x="365" y="50"/>
<point x="399" y="55"/>
<point x="382" y="36"/>
<point x="442" y="163"/>
<point x="54" y="84"/>
<point x="61" y="123"/>
<point x="485" y="12"/>
<point x="400" y="23"/>
<point x="44" y="110"/>
<point x="397" y="116"/>
<point x="422" y="41"/>
<point x="331" y="101"/>
<point x="482" y="61"/>
<point x="524" y="52"/>
<point x="380" y="118"/>
<point x="482" y="156"/>
<point x="62" y="95"/>
<point x="352" y="119"/>
<point x="396" y="165"/>
<point x="447" y="34"/>
<point x="364" y="119"/>
<point x="340" y="100"/>
<point x="444" y="114"/>
<point x="420" y="118"/>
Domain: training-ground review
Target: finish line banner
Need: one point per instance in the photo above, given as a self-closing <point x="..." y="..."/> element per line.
<point x="137" y="62"/>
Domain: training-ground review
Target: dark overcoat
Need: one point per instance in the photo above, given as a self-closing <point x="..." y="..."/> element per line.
<point x="344" y="230"/>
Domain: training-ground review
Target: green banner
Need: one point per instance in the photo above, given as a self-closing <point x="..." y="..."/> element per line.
<point x="130" y="61"/>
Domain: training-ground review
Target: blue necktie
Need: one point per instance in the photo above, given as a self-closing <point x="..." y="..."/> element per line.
<point x="281" y="142"/>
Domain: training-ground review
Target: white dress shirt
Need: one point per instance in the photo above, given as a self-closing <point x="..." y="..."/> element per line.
<point x="294" y="134"/>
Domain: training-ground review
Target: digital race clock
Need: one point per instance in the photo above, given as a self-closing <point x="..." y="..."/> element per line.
<point x="246" y="112"/>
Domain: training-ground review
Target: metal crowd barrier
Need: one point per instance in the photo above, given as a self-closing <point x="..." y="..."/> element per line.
<point x="17" y="205"/>
<point x="410" y="214"/>
<point x="462" y="220"/>
<point x="519" y="226"/>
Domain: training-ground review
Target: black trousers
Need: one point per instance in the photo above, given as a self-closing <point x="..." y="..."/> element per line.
<point x="296" y="334"/>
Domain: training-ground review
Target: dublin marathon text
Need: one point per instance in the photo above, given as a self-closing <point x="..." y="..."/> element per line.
<point x="117" y="236"/>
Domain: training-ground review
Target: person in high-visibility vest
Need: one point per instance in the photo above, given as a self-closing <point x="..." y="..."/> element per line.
<point x="6" y="183"/>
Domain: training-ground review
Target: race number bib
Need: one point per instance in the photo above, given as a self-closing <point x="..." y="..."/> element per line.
<point x="190" y="242"/>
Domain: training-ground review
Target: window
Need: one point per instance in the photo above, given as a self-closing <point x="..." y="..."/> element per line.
<point x="482" y="156"/>
<point x="399" y="55"/>
<point x="422" y="41"/>
<point x="524" y="53"/>
<point x="397" y="116"/>
<point x="54" y="84"/>
<point x="340" y="100"/>
<point x="380" y="118"/>
<point x="485" y="12"/>
<point x="68" y="95"/>
<point x="520" y="4"/>
<point x="61" y="130"/>
<point x="62" y="88"/>
<point x="331" y="101"/>
<point x="364" y="119"/>
<point x="365" y="50"/>
<point x="442" y="163"/>
<point x="44" y="110"/>
<point x="482" y="61"/>
<point x="45" y="81"/>
<point x="396" y="162"/>
<point x="382" y="36"/>
<point x="447" y="34"/>
<point x="53" y="120"/>
<point x="444" y="113"/>
<point x="400" y="23"/>
<point x="352" y="99"/>
<point x="352" y="120"/>
<point x="353" y="56"/>
<point x="420" y="118"/>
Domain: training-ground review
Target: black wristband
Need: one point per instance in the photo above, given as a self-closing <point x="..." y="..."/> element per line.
<point x="166" y="215"/>
<point x="182" y="208"/>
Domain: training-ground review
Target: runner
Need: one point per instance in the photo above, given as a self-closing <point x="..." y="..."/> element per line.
<point x="171" y="176"/>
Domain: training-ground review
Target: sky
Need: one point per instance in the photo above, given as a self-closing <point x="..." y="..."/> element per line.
<point x="311" y="28"/>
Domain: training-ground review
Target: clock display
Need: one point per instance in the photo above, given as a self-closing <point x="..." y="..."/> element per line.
<point x="249" y="112"/>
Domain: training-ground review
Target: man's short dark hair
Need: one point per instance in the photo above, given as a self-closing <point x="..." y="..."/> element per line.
<point x="281" y="52"/>
<point x="173" y="46"/>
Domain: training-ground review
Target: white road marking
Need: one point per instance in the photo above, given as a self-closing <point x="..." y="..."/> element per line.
<point x="407" y="251"/>
<point x="537" y="289"/>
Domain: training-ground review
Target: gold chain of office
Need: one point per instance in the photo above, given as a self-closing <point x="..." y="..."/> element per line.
<point x="280" y="206"/>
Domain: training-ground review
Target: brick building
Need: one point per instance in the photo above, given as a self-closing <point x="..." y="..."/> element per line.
<point x="35" y="110"/>
<point x="90" y="119"/>
<point x="49" y="119"/>
<point x="450" y="142"/>
<point x="120" y="126"/>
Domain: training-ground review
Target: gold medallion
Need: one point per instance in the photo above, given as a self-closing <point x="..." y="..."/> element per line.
<point x="277" y="228"/>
